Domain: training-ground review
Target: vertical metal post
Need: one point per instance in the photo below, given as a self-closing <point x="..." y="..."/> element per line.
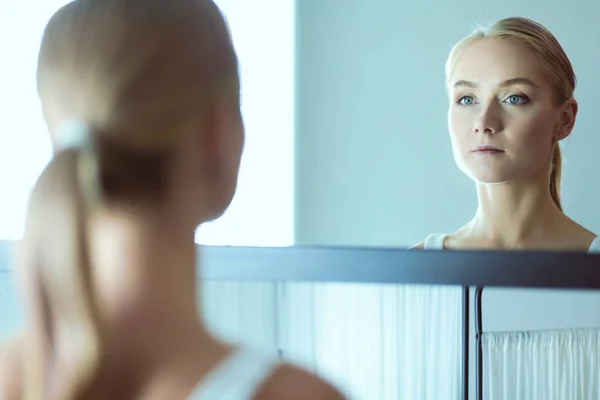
<point x="465" y="340"/>
<point x="478" y="334"/>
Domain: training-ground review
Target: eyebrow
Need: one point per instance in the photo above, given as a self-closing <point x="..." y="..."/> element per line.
<point x="508" y="82"/>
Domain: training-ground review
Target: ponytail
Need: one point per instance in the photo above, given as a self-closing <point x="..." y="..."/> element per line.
<point x="556" y="176"/>
<point x="64" y="347"/>
<point x="89" y="170"/>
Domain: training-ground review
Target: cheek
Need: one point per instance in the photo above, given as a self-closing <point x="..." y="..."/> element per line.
<point x="534" y="133"/>
<point x="531" y="140"/>
<point x="458" y="127"/>
<point x="233" y="145"/>
<point x="236" y="141"/>
<point x="241" y="135"/>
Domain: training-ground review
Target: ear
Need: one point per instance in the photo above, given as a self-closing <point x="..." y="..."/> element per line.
<point x="566" y="123"/>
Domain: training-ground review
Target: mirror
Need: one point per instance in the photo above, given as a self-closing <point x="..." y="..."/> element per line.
<point x="376" y="165"/>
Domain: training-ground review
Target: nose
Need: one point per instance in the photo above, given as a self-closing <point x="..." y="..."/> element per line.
<point x="489" y="121"/>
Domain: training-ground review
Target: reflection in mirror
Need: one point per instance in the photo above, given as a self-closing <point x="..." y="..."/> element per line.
<point x="373" y="341"/>
<point x="385" y="139"/>
<point x="511" y="89"/>
<point x="383" y="143"/>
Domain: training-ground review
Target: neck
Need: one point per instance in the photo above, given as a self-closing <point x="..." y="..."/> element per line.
<point x="149" y="297"/>
<point x="515" y="214"/>
<point x="147" y="269"/>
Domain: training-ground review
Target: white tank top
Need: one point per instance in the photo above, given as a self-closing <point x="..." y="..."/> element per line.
<point x="238" y="377"/>
<point x="436" y="242"/>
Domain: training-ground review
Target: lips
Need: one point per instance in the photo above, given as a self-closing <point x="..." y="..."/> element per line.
<point x="488" y="149"/>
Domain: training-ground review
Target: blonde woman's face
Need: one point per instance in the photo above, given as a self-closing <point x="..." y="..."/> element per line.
<point x="503" y="118"/>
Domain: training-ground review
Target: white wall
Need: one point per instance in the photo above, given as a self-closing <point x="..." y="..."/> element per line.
<point x="262" y="212"/>
<point x="373" y="159"/>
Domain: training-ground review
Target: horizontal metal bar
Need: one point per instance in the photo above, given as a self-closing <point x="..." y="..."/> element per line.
<point x="400" y="266"/>
<point x="394" y="266"/>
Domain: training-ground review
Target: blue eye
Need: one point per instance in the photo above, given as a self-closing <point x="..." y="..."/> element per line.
<point x="466" y="101"/>
<point x="516" y="99"/>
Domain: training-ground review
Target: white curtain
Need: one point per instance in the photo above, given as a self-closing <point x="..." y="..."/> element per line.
<point x="243" y="312"/>
<point x="384" y="342"/>
<point x="551" y="364"/>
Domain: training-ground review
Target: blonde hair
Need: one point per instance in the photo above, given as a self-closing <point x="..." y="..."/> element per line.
<point x="138" y="74"/>
<point x="552" y="58"/>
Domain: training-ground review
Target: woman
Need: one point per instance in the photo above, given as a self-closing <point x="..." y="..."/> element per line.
<point x="142" y="100"/>
<point x="511" y="103"/>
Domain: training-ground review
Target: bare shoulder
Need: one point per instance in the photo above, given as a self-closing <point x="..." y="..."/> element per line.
<point x="294" y="383"/>
<point x="10" y="369"/>
<point x="578" y="237"/>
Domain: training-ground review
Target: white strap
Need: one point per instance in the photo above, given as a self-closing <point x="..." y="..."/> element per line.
<point x="435" y="241"/>
<point x="595" y="246"/>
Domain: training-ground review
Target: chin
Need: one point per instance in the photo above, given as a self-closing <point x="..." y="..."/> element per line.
<point x="487" y="176"/>
<point x="488" y="173"/>
<point x="488" y="179"/>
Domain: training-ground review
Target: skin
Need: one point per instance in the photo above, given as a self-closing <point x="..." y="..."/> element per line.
<point x="501" y="96"/>
<point x="157" y="344"/>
